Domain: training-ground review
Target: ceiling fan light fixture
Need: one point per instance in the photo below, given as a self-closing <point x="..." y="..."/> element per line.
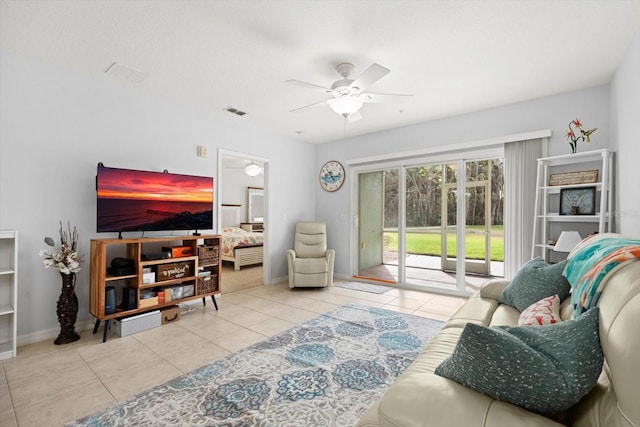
<point x="252" y="169"/>
<point x="345" y="105"/>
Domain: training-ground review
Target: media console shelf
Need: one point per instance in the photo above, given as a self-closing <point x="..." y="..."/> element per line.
<point x="172" y="280"/>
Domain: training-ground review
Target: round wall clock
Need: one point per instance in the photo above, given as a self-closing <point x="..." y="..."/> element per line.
<point x="331" y="176"/>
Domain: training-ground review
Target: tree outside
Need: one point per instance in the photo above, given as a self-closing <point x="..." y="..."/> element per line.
<point x="426" y="186"/>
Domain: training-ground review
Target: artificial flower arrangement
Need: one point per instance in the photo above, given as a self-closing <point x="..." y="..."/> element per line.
<point x="66" y="259"/>
<point x="573" y="136"/>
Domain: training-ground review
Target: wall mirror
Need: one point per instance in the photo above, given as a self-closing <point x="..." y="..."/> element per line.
<point x="255" y="204"/>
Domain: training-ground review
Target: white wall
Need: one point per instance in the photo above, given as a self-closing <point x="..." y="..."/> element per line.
<point x="57" y="124"/>
<point x="625" y="115"/>
<point x="555" y="113"/>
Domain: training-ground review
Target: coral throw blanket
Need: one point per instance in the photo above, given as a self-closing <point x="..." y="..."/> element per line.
<point x="591" y="262"/>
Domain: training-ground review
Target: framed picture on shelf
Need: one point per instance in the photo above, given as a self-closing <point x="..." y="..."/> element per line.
<point x="578" y="201"/>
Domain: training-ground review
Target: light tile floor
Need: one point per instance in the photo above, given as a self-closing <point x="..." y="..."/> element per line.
<point x="47" y="385"/>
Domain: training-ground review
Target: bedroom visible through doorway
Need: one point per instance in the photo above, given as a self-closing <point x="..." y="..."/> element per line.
<point x="243" y="220"/>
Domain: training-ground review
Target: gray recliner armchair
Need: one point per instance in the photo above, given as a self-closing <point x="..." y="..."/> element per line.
<point x="310" y="262"/>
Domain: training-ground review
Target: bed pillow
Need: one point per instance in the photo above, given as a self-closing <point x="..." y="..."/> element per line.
<point x="535" y="280"/>
<point x="543" y="312"/>
<point x="545" y="369"/>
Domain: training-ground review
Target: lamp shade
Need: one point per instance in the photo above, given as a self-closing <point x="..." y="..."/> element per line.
<point x="567" y="241"/>
<point x="345" y="105"/>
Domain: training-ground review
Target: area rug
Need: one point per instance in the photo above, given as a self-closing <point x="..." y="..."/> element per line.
<point x="365" y="287"/>
<point x="325" y="372"/>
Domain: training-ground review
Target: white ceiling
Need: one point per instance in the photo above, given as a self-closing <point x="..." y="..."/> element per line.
<point x="454" y="56"/>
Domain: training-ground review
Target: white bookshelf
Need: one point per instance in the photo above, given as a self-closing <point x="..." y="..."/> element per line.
<point x="8" y="293"/>
<point x="549" y="221"/>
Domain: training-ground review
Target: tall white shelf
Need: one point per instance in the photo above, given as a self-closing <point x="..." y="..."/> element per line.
<point x="548" y="222"/>
<point x="8" y="293"/>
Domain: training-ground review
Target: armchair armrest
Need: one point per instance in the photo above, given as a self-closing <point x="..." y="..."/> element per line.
<point x="291" y="257"/>
<point x="330" y="254"/>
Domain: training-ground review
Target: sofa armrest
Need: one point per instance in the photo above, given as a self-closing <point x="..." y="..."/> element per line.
<point x="493" y="288"/>
<point x="431" y="400"/>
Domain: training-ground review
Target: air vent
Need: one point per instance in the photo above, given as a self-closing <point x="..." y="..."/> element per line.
<point x="235" y="111"/>
<point x="125" y="72"/>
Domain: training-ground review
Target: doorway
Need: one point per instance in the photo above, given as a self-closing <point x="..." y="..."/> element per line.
<point x="431" y="225"/>
<point x="243" y="184"/>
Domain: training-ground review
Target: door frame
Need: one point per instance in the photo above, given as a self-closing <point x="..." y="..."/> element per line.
<point x="218" y="189"/>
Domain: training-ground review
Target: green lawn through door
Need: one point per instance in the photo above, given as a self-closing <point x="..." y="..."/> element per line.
<point x="427" y="242"/>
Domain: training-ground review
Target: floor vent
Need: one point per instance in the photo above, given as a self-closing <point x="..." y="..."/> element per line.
<point x="125" y="72"/>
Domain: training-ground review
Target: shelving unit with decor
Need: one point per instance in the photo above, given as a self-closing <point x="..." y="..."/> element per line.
<point x="154" y="282"/>
<point x="574" y="193"/>
<point x="8" y="293"/>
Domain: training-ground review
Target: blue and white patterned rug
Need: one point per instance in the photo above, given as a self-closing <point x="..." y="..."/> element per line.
<point x="325" y="372"/>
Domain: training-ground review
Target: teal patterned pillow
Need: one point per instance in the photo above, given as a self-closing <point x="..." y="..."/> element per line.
<point x="545" y="369"/>
<point x="534" y="281"/>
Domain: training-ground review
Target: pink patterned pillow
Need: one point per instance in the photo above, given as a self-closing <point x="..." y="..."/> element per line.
<point x="544" y="312"/>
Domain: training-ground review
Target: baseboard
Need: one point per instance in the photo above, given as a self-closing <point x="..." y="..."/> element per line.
<point x="49" y="334"/>
<point x="277" y="280"/>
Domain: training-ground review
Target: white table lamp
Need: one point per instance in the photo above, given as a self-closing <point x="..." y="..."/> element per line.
<point x="567" y="241"/>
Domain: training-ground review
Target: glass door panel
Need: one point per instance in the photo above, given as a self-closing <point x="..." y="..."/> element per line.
<point x="477" y="230"/>
<point x="449" y="228"/>
<point x="377" y="226"/>
<point x="423" y="227"/>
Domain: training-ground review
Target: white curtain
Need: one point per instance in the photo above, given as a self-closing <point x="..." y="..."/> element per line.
<point x="520" y="164"/>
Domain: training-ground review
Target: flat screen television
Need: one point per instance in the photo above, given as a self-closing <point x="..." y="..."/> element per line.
<point x="134" y="200"/>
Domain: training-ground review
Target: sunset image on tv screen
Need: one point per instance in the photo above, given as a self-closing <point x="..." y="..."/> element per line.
<point x="132" y="200"/>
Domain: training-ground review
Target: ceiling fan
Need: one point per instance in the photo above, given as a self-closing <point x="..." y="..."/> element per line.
<point x="349" y="95"/>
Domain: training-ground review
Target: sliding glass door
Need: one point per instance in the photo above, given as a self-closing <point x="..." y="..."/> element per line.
<point x="433" y="225"/>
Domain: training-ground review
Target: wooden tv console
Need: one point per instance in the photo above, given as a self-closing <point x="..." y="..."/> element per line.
<point x="200" y="272"/>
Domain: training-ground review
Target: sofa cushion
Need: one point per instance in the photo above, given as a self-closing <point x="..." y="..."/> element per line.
<point x="535" y="280"/>
<point x="546" y="369"/>
<point x="543" y="312"/>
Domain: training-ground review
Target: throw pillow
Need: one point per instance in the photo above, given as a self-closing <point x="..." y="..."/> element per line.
<point x="545" y="369"/>
<point x="535" y="280"/>
<point x="543" y="312"/>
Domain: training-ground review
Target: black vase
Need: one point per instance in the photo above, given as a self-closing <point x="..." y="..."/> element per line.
<point x="67" y="310"/>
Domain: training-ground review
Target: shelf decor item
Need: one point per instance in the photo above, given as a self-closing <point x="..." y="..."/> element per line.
<point x="576" y="134"/>
<point x="67" y="261"/>
<point x="573" y="178"/>
<point x="578" y="201"/>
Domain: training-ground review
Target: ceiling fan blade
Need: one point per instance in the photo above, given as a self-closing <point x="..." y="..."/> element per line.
<point x="308" y="107"/>
<point x="310" y="86"/>
<point x="354" y="117"/>
<point x="371" y="75"/>
<point x="390" y="98"/>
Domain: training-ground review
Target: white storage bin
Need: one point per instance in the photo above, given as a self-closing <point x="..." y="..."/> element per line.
<point x="134" y="324"/>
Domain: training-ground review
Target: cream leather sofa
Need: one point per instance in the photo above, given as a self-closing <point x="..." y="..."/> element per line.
<point x="420" y="398"/>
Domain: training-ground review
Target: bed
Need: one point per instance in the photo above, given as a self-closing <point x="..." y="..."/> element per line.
<point x="239" y="246"/>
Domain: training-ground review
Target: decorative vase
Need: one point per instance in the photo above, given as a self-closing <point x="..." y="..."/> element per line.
<point x="574" y="147"/>
<point x="67" y="310"/>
